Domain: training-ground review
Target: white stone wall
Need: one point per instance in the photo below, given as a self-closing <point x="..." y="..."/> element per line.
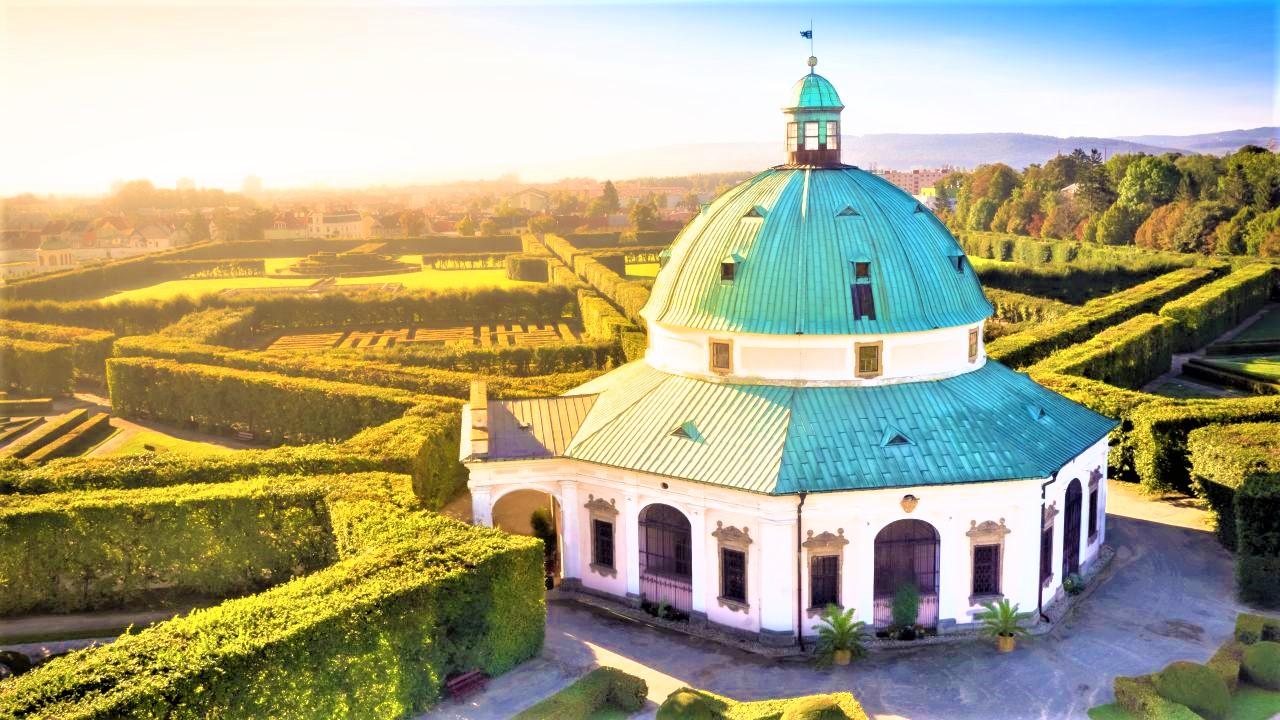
<point x="771" y="523"/>
<point x="815" y="359"/>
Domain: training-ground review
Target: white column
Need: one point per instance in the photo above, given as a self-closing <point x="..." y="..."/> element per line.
<point x="570" y="527"/>
<point x="698" y="529"/>
<point x="481" y="506"/>
<point x="631" y="520"/>
<point x="778" y="592"/>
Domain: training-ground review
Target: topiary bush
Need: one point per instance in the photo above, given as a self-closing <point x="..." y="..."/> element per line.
<point x="690" y="704"/>
<point x="601" y="689"/>
<point x="1226" y="662"/>
<point x="818" y="707"/>
<point x="1251" y="628"/>
<point x="1196" y="686"/>
<point x="1138" y="695"/>
<point x="1261" y="664"/>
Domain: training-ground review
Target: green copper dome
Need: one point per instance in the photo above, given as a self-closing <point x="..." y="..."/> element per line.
<point x="794" y="237"/>
<point x="814" y="91"/>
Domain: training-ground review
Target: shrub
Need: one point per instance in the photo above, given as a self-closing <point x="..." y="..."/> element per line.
<point x="89" y="348"/>
<point x="906" y="605"/>
<point x="272" y="406"/>
<point x="1138" y="695"/>
<point x="415" y="598"/>
<point x="36" y="367"/>
<point x="1159" y="434"/>
<point x="109" y="548"/>
<point x="1219" y="306"/>
<point x="1257" y="509"/>
<point x="1016" y="307"/>
<point x="77" y="440"/>
<point x="1195" y="686"/>
<point x="690" y="704"/>
<point x="601" y="689"/>
<point x="1226" y="662"/>
<point x="53" y="429"/>
<point x="528" y="268"/>
<point x="1221" y="457"/>
<point x="1128" y="355"/>
<point x="818" y="707"/>
<point x="1251" y="628"/>
<point x="1030" y="345"/>
<point x="1261" y="663"/>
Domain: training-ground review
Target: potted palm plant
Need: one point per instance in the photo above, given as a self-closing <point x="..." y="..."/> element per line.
<point x="839" y="636"/>
<point x="1003" y="622"/>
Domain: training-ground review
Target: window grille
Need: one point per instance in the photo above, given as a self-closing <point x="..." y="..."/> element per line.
<point x="986" y="570"/>
<point x="824" y="581"/>
<point x="602" y="543"/>
<point x="733" y="575"/>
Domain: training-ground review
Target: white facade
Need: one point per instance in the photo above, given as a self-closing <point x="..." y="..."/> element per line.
<point x="772" y="610"/>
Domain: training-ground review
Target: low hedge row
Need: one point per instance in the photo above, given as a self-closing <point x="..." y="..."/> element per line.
<point x="352" y="368"/>
<point x="628" y="296"/>
<point x="1128" y="355"/>
<point x="89" y="348"/>
<point x="1038" y="251"/>
<point x="217" y="326"/>
<point x="1016" y="307"/>
<point x="24" y="406"/>
<point x="693" y="704"/>
<point x="53" y="429"/>
<point x="1139" y="696"/>
<point x="414" y="598"/>
<point x="510" y="361"/>
<point x="36" y="367"/>
<point x="1037" y="342"/>
<point x="603" y="689"/>
<point x="125" y="317"/>
<point x="79" y="439"/>
<point x="274" y="407"/>
<point x="1219" y="306"/>
<point x="112" y="548"/>
<point x="530" y="268"/>
<point x="1251" y="628"/>
<point x="99" y="279"/>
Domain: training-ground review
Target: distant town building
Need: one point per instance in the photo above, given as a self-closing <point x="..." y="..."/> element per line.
<point x="286" y="226"/>
<point x="531" y="199"/>
<point x="336" y="225"/>
<point x="913" y="181"/>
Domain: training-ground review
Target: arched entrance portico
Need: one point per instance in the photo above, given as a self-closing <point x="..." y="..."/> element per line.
<point x="666" y="557"/>
<point x="906" y="553"/>
<point x="515" y="513"/>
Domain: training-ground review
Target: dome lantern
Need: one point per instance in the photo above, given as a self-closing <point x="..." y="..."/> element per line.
<point x="813" y="121"/>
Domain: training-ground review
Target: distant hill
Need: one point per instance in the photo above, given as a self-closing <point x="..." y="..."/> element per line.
<point x="904" y="151"/>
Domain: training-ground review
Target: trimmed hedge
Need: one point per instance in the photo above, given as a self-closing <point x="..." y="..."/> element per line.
<point x="112" y="548"/>
<point x="1037" y="342"/>
<point x="1195" y="686"/>
<point x="628" y="296"/>
<point x="1113" y="402"/>
<point x="90" y="348"/>
<point x="52" y="429"/>
<point x="79" y="439"/>
<point x="1226" y="663"/>
<point x="1251" y="628"/>
<point x="1139" y="696"/>
<point x="601" y="689"/>
<point x="1257" y="506"/>
<point x="1159" y="434"/>
<point x="1214" y="309"/>
<point x="1016" y="307"/>
<point x="530" y="268"/>
<point x="36" y="367"/>
<point x="692" y="704"/>
<point x="415" y="598"/>
<point x="274" y="407"/>
<point x="1128" y="355"/>
<point x="25" y="406"/>
<point x="99" y="279"/>
<point x="517" y="361"/>
<point x="1261" y="664"/>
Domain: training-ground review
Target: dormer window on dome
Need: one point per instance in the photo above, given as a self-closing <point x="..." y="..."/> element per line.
<point x="813" y="122"/>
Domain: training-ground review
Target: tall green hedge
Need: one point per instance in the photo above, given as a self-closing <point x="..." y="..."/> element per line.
<point x="628" y="296"/>
<point x="1219" y="306"/>
<point x="1111" y="401"/>
<point x="1016" y="307"/>
<point x="36" y="367"/>
<point x="1257" y="506"/>
<point x="530" y="268"/>
<point x="1160" y="432"/>
<point x="414" y="598"/>
<point x="90" y="348"/>
<point x="1038" y="251"/>
<point x="276" y="408"/>
<point x="1128" y="355"/>
<point x="1037" y="342"/>
<point x="98" y="279"/>
<point x="70" y="552"/>
<point x="502" y="360"/>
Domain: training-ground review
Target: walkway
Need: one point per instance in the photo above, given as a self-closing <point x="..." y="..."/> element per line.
<point x="1180" y="359"/>
<point x="1170" y="597"/>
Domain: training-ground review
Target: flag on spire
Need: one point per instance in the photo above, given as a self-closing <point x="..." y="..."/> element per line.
<point x="806" y="34"/>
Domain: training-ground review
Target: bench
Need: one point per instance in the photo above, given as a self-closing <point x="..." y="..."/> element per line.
<point x="244" y="436"/>
<point x="464" y="684"/>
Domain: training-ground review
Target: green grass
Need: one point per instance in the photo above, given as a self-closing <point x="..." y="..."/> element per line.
<point x="1248" y="703"/>
<point x="642" y="270"/>
<point x="1263" y="367"/>
<point x="137" y="445"/>
<point x="196" y="288"/>
<point x="1266" y="327"/>
<point x="1181" y="389"/>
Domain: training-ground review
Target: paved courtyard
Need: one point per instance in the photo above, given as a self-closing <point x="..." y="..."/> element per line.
<point x="1170" y="597"/>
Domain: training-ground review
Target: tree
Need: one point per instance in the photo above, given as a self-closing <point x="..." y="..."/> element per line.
<point x="1195" y="232"/>
<point x="412" y="223"/>
<point x="644" y="216"/>
<point x="466" y="226"/>
<point x="980" y="217"/>
<point x="1149" y="181"/>
<point x="994" y="182"/>
<point x="1118" y="224"/>
<point x="610" y="197"/>
<point x="1156" y="232"/>
<point x="197" y="227"/>
<point x="1251" y="177"/>
<point x="542" y="223"/>
<point x="1063" y="217"/>
<point x="1096" y="191"/>
<point x="488" y="227"/>
<point x="1229" y="237"/>
<point x="690" y="201"/>
<point x="1261" y="233"/>
<point x="1199" y="177"/>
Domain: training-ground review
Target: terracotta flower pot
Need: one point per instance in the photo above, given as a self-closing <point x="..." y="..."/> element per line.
<point x="842" y="657"/>
<point x="1005" y="643"/>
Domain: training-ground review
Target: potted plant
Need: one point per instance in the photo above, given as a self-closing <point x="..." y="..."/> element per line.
<point x="906" y="609"/>
<point x="839" y="636"/>
<point x="1003" y="622"/>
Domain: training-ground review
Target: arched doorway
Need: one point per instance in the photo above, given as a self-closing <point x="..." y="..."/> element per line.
<point x="535" y="513"/>
<point x="906" y="553"/>
<point x="1071" y="531"/>
<point x="666" y="557"/>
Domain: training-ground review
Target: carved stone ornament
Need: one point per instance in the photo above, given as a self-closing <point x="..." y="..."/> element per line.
<point x="909" y="502"/>
<point x="987" y="531"/>
<point x="731" y="536"/>
<point x="826" y="541"/>
<point x="599" y="507"/>
<point x="1050" y="513"/>
<point x="1095" y="476"/>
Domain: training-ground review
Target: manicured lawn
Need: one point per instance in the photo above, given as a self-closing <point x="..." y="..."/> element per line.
<point x="1249" y="703"/>
<point x="442" y="279"/>
<point x="208" y="286"/>
<point x="1265" y="367"/>
<point x="642" y="270"/>
<point x="1266" y="327"/>
<point x="139" y="442"/>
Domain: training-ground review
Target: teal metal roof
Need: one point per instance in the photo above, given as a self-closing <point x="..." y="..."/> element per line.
<point x="987" y="425"/>
<point x="797" y="260"/>
<point x="814" y="91"/>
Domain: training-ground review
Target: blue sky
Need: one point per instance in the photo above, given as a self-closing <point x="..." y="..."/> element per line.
<point x="353" y="94"/>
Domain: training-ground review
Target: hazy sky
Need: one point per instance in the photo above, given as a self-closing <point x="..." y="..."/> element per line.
<point x="350" y="94"/>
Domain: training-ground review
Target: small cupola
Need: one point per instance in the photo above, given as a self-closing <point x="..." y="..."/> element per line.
<point x="813" y="122"/>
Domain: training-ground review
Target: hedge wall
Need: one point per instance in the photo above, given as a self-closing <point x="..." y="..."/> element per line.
<point x="415" y="598"/>
<point x="628" y="296"/>
<point x="1111" y="401"/>
<point x="89" y="348"/>
<point x="217" y="326"/>
<point x="1038" y="251"/>
<point x="125" y="317"/>
<point x="1219" y="306"/>
<point x="77" y="440"/>
<point x="511" y="361"/>
<point x="1160" y="431"/>
<point x="50" y="431"/>
<point x="276" y="408"/>
<point x="1016" y="307"/>
<point x="112" y="548"/>
<point x="36" y="367"/>
<point x="1037" y="342"/>
<point x="1128" y="355"/>
<point x="529" y="268"/>
<point x="99" y="279"/>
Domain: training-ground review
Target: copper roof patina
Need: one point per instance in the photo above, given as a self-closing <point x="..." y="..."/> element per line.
<point x="813" y="92"/>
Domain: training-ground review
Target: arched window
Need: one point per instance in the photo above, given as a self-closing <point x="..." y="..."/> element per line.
<point x="906" y="553"/>
<point x="666" y="557"/>
<point x="1071" y="530"/>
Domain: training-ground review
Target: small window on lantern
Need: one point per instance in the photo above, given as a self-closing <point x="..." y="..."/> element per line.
<point x="727" y="269"/>
<point x="721" y="356"/>
<point x="833" y="135"/>
<point x="973" y="344"/>
<point x="861" y="270"/>
<point x="811" y="136"/>
<point x="793" y="137"/>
